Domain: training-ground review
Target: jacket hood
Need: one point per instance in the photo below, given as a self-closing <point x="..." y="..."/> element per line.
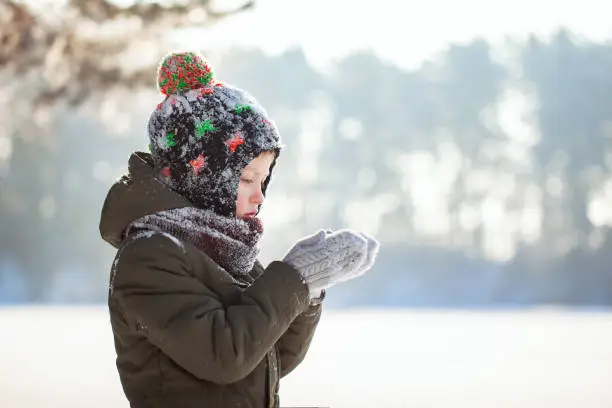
<point x="134" y="195"/>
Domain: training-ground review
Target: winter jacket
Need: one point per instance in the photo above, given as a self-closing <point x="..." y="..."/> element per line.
<point x="187" y="334"/>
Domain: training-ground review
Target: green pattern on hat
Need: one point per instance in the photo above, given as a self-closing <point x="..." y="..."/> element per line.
<point x="170" y="140"/>
<point x="203" y="127"/>
<point x="239" y="108"/>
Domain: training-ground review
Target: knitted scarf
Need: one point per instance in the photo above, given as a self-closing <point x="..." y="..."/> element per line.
<point x="231" y="242"/>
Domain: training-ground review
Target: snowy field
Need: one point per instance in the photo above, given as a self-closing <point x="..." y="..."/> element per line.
<point x="64" y="358"/>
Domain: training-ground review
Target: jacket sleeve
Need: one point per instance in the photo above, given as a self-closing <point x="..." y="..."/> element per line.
<point x="295" y="342"/>
<point x="154" y="286"/>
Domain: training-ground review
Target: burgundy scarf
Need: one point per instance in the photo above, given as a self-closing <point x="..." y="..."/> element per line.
<point x="230" y="242"/>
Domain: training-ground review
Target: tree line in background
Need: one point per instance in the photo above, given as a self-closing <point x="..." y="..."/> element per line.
<point x="486" y="177"/>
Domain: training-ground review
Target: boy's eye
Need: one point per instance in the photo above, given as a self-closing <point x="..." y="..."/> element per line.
<point x="248" y="181"/>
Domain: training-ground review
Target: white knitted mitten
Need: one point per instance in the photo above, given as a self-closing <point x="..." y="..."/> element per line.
<point x="372" y="252"/>
<point x="324" y="259"/>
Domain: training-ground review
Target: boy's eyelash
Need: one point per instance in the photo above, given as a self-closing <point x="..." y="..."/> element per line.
<point x="252" y="180"/>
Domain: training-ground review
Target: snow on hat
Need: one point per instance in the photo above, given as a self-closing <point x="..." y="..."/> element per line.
<point x="205" y="132"/>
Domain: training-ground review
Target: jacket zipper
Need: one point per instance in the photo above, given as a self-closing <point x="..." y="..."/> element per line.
<point x="273" y="379"/>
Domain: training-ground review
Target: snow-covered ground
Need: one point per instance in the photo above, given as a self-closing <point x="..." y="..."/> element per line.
<point x="56" y="357"/>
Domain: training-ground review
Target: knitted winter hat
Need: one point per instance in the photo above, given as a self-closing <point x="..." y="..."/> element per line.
<point x="205" y="132"/>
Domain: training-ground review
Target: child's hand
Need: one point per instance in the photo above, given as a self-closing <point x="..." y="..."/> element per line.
<point x="327" y="258"/>
<point x="372" y="252"/>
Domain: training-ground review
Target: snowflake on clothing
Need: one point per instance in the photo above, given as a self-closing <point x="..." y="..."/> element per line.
<point x="197" y="164"/>
<point x="203" y="127"/>
<point x="234" y="142"/>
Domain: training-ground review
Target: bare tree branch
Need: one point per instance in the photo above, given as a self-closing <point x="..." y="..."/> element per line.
<point x="82" y="49"/>
<point x="150" y="13"/>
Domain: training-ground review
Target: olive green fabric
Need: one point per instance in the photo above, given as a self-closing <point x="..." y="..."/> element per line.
<point x="188" y="334"/>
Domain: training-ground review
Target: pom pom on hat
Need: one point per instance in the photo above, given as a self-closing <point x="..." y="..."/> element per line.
<point x="183" y="71"/>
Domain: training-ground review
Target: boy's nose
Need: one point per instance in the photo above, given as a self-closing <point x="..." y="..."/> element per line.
<point x="258" y="197"/>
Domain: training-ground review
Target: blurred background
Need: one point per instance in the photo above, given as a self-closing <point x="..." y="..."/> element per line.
<point x="473" y="139"/>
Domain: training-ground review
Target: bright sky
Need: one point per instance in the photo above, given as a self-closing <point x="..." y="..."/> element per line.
<point x="403" y="32"/>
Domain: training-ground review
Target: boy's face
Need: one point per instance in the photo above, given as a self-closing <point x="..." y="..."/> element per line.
<point x="250" y="196"/>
